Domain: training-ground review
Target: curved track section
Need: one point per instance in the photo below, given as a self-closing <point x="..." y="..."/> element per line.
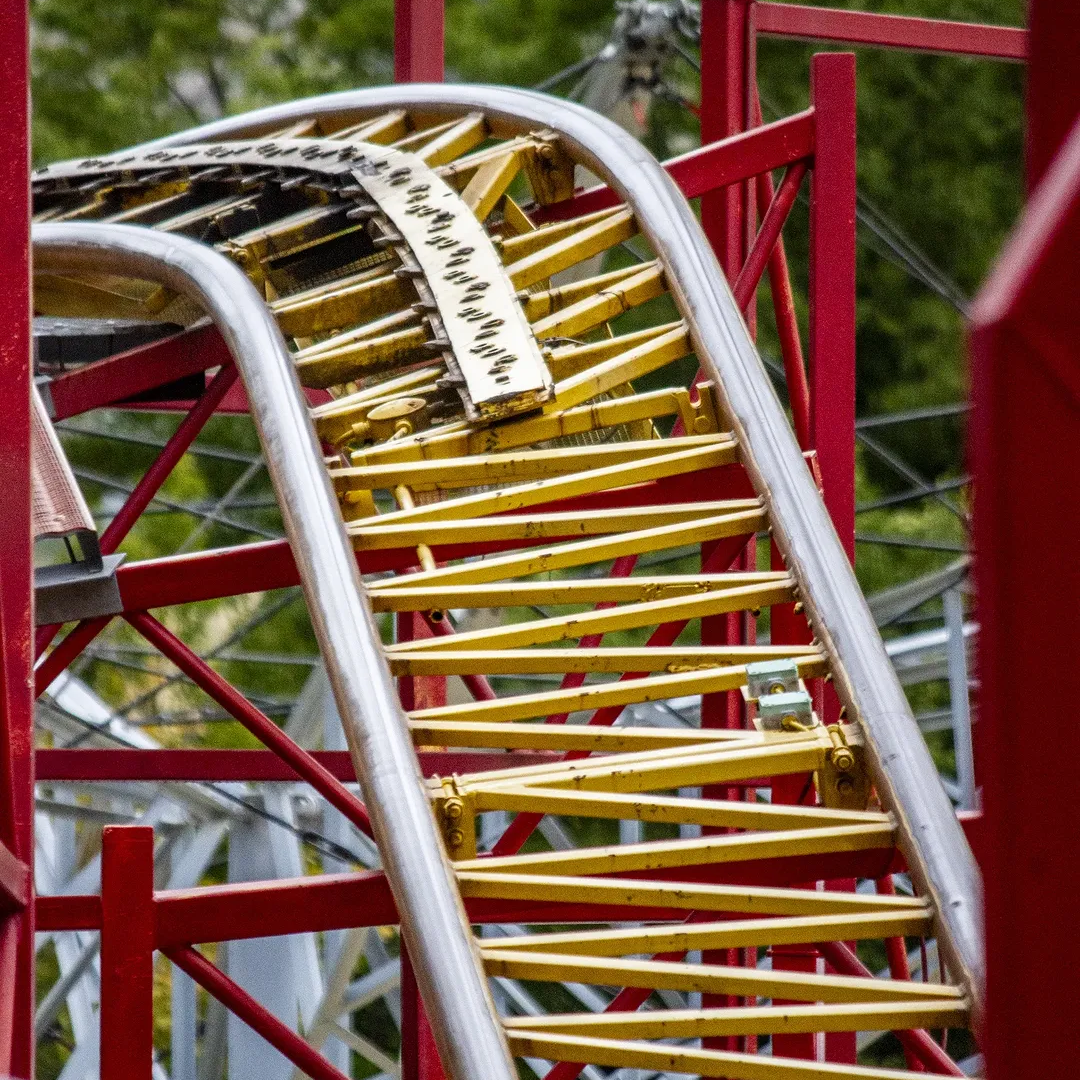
<point x="562" y="518"/>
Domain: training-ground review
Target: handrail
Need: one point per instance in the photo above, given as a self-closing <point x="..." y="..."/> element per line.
<point x="433" y="920"/>
<point x="931" y="838"/>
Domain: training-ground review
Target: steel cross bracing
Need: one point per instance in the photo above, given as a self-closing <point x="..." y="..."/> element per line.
<point x="651" y="46"/>
<point x="498" y="535"/>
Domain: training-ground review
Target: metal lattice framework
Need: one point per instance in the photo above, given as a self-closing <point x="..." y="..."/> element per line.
<point x="477" y="381"/>
<point x="554" y="531"/>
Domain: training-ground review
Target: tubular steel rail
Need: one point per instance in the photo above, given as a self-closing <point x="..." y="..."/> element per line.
<point x="512" y="429"/>
<point x="432" y="916"/>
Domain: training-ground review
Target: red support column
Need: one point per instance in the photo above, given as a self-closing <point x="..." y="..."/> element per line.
<point x="419" y="1054"/>
<point x="16" y="584"/>
<point x="832" y="287"/>
<point x="1053" y="89"/>
<point x="418" y="40"/>
<point x="832" y="337"/>
<point x="725" y="112"/>
<point x="1025" y="418"/>
<point x="127" y="953"/>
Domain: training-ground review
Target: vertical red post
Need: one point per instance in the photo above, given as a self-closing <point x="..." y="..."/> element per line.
<point x="419" y="1054"/>
<point x="127" y="953"/>
<point x="832" y="336"/>
<point x="1025" y="381"/>
<point x="1053" y="89"/>
<point x="16" y="542"/>
<point x="725" y="111"/>
<point x="419" y="40"/>
<point x="832" y="286"/>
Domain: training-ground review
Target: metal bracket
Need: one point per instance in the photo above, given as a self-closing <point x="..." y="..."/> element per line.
<point x="771" y="677"/>
<point x="456" y="814"/>
<point x="69" y="592"/>
<point x="843" y="781"/>
<point x="786" y="712"/>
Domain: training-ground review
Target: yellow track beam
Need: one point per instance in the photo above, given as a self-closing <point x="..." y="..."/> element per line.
<point x="446" y="474"/>
<point x="621" y="369"/>
<point x="459" y="139"/>
<point x="747" y="899"/>
<point x="331" y="309"/>
<point x="582" y="244"/>
<point x="612" y="659"/>
<point x="458" y="440"/>
<point x="604" y="621"/>
<point x="748" y="1020"/>
<point x="736" y="934"/>
<point x="588" y="313"/>
<point x="373" y="354"/>
<point x="667" y="854"/>
<point x="667" y="1059"/>
<point x="662" y="809"/>
<point x="713" y="452"/>
<point x="710" y="979"/>
<point x="586" y="552"/>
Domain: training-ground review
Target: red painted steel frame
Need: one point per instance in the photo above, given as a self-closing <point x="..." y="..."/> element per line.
<point x="1025" y="421"/>
<point x="827" y="131"/>
<point x="1053" y="89"/>
<point x="127" y="953"/>
<point x="832" y="287"/>
<point x="418" y="40"/>
<point x="16" y="595"/>
<point x="259" y="1019"/>
<point x="725" y="111"/>
<point x="889" y="31"/>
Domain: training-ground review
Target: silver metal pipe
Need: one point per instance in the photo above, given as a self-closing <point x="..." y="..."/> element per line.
<point x="433" y="920"/>
<point x="931" y="838"/>
<point x="959" y="697"/>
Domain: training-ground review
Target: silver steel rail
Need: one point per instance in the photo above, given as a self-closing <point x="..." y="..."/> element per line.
<point x="433" y="921"/>
<point x="931" y="838"/>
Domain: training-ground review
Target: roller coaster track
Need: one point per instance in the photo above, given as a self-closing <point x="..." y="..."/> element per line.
<point x="550" y="471"/>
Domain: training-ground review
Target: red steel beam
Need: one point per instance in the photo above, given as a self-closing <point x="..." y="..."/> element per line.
<point x="211" y="765"/>
<point x="1053" y="89"/>
<point x="787" y="322"/>
<point x="137" y="371"/>
<point x="16" y="543"/>
<point x="832" y="287"/>
<point x="725" y="112"/>
<point x="1025" y="417"/>
<point x="710" y="167"/>
<point x="419" y="1054"/>
<point x="166" y="461"/>
<point x="776" y="213"/>
<point x="127" y="952"/>
<point x="257" y="1017"/>
<point x="235" y="401"/>
<point x="66" y="652"/>
<point x="890" y="31"/>
<point x="917" y="1043"/>
<point x="15" y="889"/>
<point x="419" y="40"/>
<point x="256" y="722"/>
<point x="338" y="901"/>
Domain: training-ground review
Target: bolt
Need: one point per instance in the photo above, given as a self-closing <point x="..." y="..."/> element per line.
<point x="843" y="759"/>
